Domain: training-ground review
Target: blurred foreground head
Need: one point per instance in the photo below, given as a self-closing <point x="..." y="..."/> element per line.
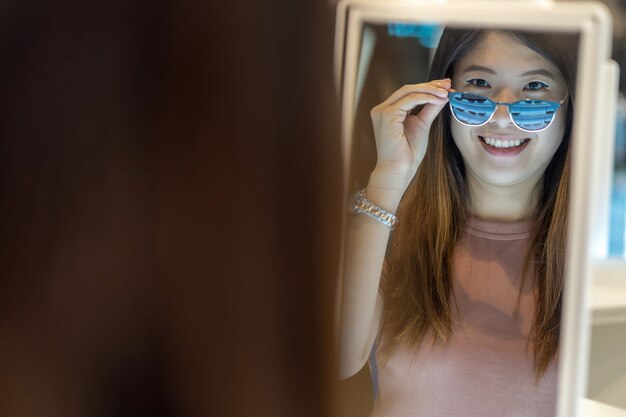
<point x="170" y="186"/>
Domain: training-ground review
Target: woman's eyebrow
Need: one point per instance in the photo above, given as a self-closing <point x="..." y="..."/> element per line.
<point x="540" y="71"/>
<point x="479" y="68"/>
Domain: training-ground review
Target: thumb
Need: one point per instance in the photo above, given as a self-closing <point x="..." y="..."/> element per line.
<point x="417" y="127"/>
<point x="429" y="112"/>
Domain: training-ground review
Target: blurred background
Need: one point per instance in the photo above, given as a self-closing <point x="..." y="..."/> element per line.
<point x="169" y="190"/>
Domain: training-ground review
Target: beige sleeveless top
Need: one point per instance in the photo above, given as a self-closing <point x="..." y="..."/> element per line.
<point x="487" y="369"/>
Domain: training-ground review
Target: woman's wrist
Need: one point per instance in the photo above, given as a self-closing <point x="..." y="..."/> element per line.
<point x="386" y="188"/>
<point x="391" y="177"/>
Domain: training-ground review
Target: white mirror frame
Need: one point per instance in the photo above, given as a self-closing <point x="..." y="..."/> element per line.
<point x="592" y="140"/>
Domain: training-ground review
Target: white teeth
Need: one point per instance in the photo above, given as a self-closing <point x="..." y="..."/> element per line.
<point x="502" y="143"/>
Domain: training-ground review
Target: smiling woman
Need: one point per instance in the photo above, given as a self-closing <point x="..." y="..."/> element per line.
<point x="465" y="318"/>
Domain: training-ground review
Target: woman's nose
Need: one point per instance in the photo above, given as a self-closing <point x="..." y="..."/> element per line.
<point x="501" y="115"/>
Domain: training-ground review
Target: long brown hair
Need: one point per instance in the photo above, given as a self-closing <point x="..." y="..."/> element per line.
<point x="417" y="284"/>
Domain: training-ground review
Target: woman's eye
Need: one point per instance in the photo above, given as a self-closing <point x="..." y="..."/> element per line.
<point x="536" y="85"/>
<point x="478" y="82"/>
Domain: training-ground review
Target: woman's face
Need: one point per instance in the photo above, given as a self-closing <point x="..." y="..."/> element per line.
<point x="506" y="70"/>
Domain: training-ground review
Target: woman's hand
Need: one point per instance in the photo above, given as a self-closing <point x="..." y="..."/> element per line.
<point x="402" y="138"/>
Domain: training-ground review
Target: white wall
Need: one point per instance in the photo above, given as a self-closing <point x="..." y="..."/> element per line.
<point x="607" y="367"/>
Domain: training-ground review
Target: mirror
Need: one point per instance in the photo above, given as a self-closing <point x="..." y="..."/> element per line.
<point x="473" y="341"/>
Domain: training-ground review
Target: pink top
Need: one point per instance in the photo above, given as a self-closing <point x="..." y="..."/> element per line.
<point x="487" y="369"/>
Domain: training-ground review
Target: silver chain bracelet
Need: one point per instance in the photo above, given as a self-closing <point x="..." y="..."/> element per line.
<point x="363" y="206"/>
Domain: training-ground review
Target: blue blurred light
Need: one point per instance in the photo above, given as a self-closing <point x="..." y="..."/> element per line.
<point x="428" y="34"/>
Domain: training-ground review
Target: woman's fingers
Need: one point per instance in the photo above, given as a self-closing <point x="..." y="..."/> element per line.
<point x="429" y="112"/>
<point x="437" y="87"/>
<point x="417" y="126"/>
<point x="411" y="101"/>
<point x="400" y="109"/>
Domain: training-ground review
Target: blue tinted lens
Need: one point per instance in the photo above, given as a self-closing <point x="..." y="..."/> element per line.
<point x="471" y="109"/>
<point x="475" y="110"/>
<point x="533" y="114"/>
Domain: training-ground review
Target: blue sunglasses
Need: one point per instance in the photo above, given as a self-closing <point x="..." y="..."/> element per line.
<point x="529" y="115"/>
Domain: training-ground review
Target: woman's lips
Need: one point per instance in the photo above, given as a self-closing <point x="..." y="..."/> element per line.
<point x="503" y="145"/>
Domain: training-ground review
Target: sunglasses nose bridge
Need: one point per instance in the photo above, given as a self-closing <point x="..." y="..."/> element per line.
<point x="501" y="115"/>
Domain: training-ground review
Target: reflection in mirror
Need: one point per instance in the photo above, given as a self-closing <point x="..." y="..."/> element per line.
<point x="455" y="255"/>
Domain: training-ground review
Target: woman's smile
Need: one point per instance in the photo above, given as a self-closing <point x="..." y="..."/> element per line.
<point x="503" y="146"/>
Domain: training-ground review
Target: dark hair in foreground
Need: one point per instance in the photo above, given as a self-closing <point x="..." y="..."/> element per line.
<point x="150" y="232"/>
<point x="418" y="285"/>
